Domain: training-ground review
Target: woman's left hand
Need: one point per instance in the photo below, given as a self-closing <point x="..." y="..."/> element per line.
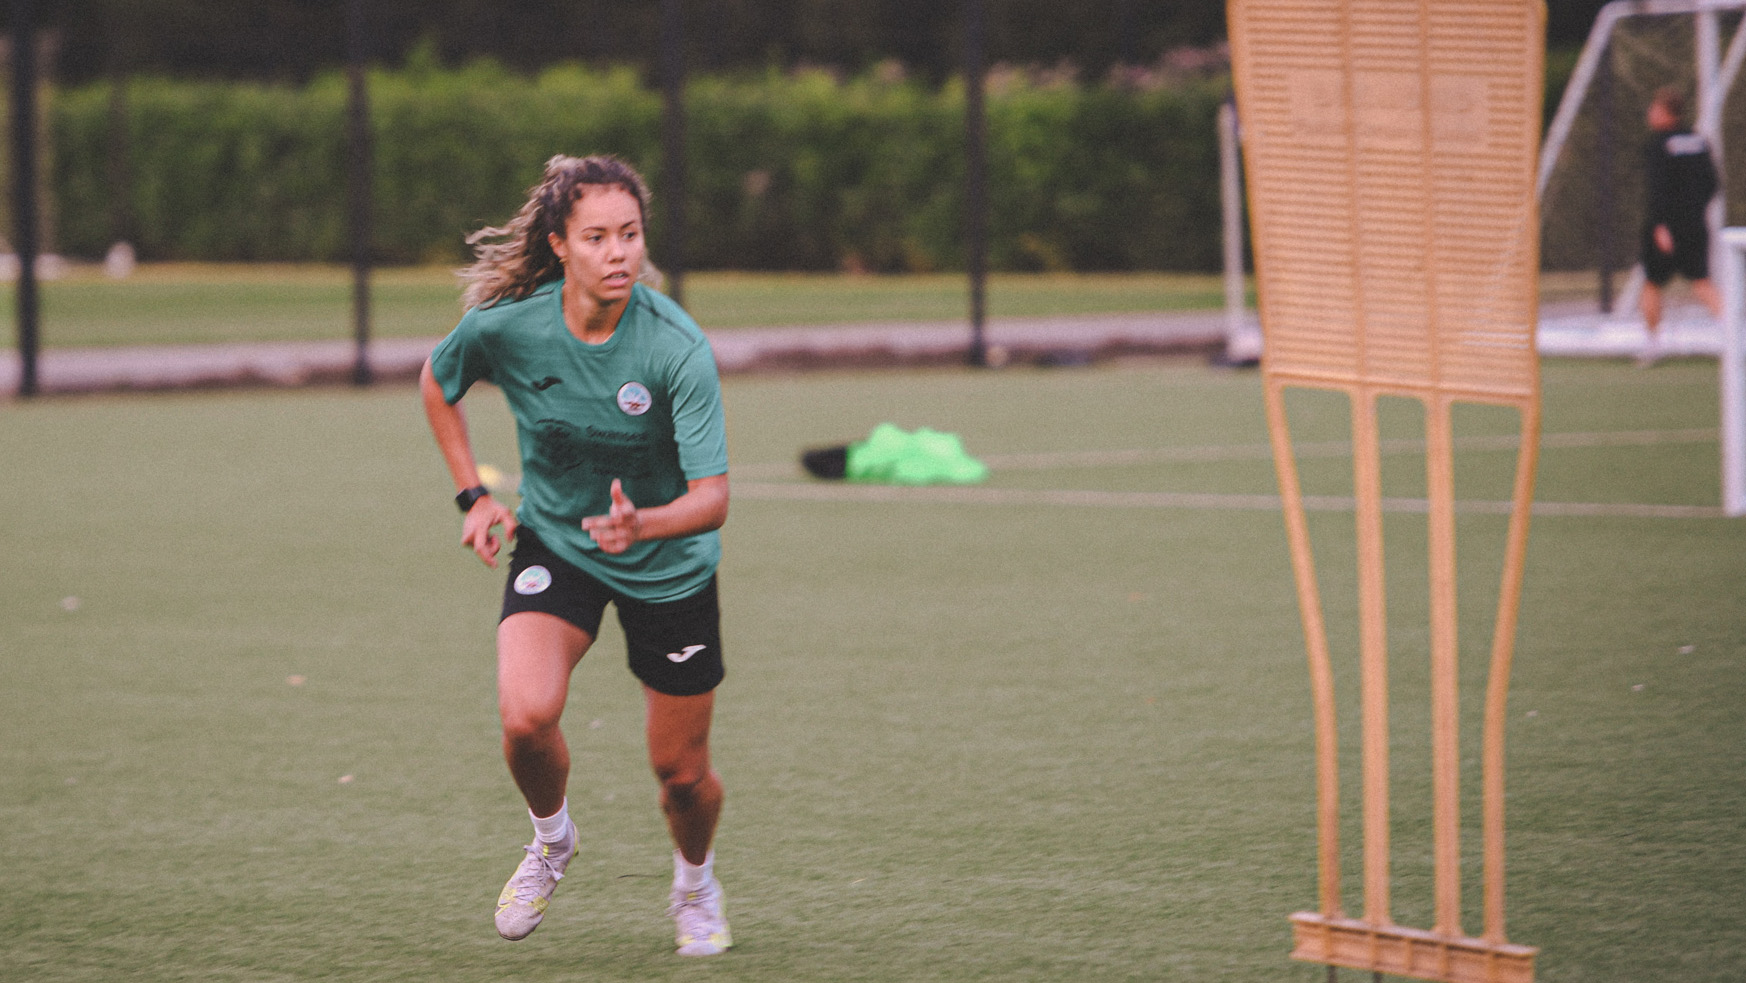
<point x="615" y="531"/>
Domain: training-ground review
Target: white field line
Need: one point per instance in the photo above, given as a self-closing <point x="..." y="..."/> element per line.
<point x="944" y="495"/>
<point x="1333" y="448"/>
<point x="1308" y="449"/>
<point x="841" y="492"/>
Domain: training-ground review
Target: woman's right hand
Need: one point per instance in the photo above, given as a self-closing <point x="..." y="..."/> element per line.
<point x="477" y="530"/>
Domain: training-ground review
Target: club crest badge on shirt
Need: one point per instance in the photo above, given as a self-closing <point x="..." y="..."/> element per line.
<point x="634" y="398"/>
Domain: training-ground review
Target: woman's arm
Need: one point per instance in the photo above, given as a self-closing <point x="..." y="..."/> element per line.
<point x="703" y="507"/>
<point x="449" y="425"/>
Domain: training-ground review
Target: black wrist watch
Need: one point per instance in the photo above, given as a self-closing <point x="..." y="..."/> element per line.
<point x="469" y="498"/>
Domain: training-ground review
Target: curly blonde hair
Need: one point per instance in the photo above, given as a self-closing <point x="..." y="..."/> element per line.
<point x="513" y="260"/>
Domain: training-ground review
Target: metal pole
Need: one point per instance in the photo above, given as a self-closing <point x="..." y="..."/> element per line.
<point x="1231" y="204"/>
<point x="1709" y="54"/>
<point x="359" y="153"/>
<point x="673" y="143"/>
<point x="119" y="170"/>
<point x="1710" y="110"/>
<point x="1124" y="21"/>
<point x="1606" y="204"/>
<point x="976" y="180"/>
<point x="24" y="190"/>
<point x="1733" y="370"/>
<point x="1709" y="64"/>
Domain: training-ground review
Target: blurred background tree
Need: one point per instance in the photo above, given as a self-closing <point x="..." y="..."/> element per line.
<point x="291" y="40"/>
<point x="212" y="131"/>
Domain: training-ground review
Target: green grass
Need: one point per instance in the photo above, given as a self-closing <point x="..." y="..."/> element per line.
<point x="176" y="304"/>
<point x="191" y="303"/>
<point x="961" y="741"/>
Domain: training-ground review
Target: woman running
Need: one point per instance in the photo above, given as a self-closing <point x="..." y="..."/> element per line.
<point x="623" y="485"/>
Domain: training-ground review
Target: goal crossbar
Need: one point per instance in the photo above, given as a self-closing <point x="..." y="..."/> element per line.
<point x="1588" y="63"/>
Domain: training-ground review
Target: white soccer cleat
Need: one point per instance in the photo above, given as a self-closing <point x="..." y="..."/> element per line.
<point x="525" y="898"/>
<point x="701" y="917"/>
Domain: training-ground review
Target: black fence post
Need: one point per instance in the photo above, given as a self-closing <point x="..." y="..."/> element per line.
<point x="976" y="179"/>
<point x="118" y="167"/>
<point x="24" y="190"/>
<point x="359" y="161"/>
<point x="673" y="145"/>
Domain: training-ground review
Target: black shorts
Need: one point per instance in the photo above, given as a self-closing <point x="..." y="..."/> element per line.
<point x="1690" y="257"/>
<point x="675" y="647"/>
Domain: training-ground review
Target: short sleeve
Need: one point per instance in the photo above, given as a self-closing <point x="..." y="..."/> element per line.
<point x="461" y="359"/>
<point x="699" y="424"/>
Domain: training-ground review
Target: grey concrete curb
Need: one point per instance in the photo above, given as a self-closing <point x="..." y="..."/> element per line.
<point x="1048" y="340"/>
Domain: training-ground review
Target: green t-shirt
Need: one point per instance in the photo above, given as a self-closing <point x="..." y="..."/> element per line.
<point x="643" y="407"/>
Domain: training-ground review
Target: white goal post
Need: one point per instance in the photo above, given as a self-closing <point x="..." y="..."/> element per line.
<point x="1734" y="370"/>
<point x="1714" y="73"/>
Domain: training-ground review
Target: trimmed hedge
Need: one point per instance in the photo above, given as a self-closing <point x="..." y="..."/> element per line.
<point x="787" y="171"/>
<point x="800" y="171"/>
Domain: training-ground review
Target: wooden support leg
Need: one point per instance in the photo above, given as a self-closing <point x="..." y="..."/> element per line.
<point x="1372" y="653"/>
<point x="1445" y="704"/>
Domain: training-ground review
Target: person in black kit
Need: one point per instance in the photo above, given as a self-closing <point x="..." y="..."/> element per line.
<point x="1679" y="182"/>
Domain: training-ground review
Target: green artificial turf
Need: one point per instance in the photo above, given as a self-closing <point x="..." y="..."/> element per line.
<point x="248" y="731"/>
<point x="182" y="304"/>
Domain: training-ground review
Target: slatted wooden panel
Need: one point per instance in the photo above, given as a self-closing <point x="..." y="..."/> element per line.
<point x="1391" y="176"/>
<point x="1391" y="152"/>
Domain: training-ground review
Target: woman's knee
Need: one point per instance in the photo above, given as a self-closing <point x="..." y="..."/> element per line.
<point x="535" y="655"/>
<point x="527" y="722"/>
<point x="681" y="778"/>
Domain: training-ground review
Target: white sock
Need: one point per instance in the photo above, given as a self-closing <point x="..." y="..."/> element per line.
<point x="687" y="877"/>
<point x="552" y="828"/>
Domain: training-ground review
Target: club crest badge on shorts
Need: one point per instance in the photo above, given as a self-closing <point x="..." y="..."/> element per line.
<point x="533" y="580"/>
<point x="634" y="398"/>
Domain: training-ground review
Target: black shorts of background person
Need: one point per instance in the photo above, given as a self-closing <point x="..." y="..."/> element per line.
<point x="1690" y="257"/>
